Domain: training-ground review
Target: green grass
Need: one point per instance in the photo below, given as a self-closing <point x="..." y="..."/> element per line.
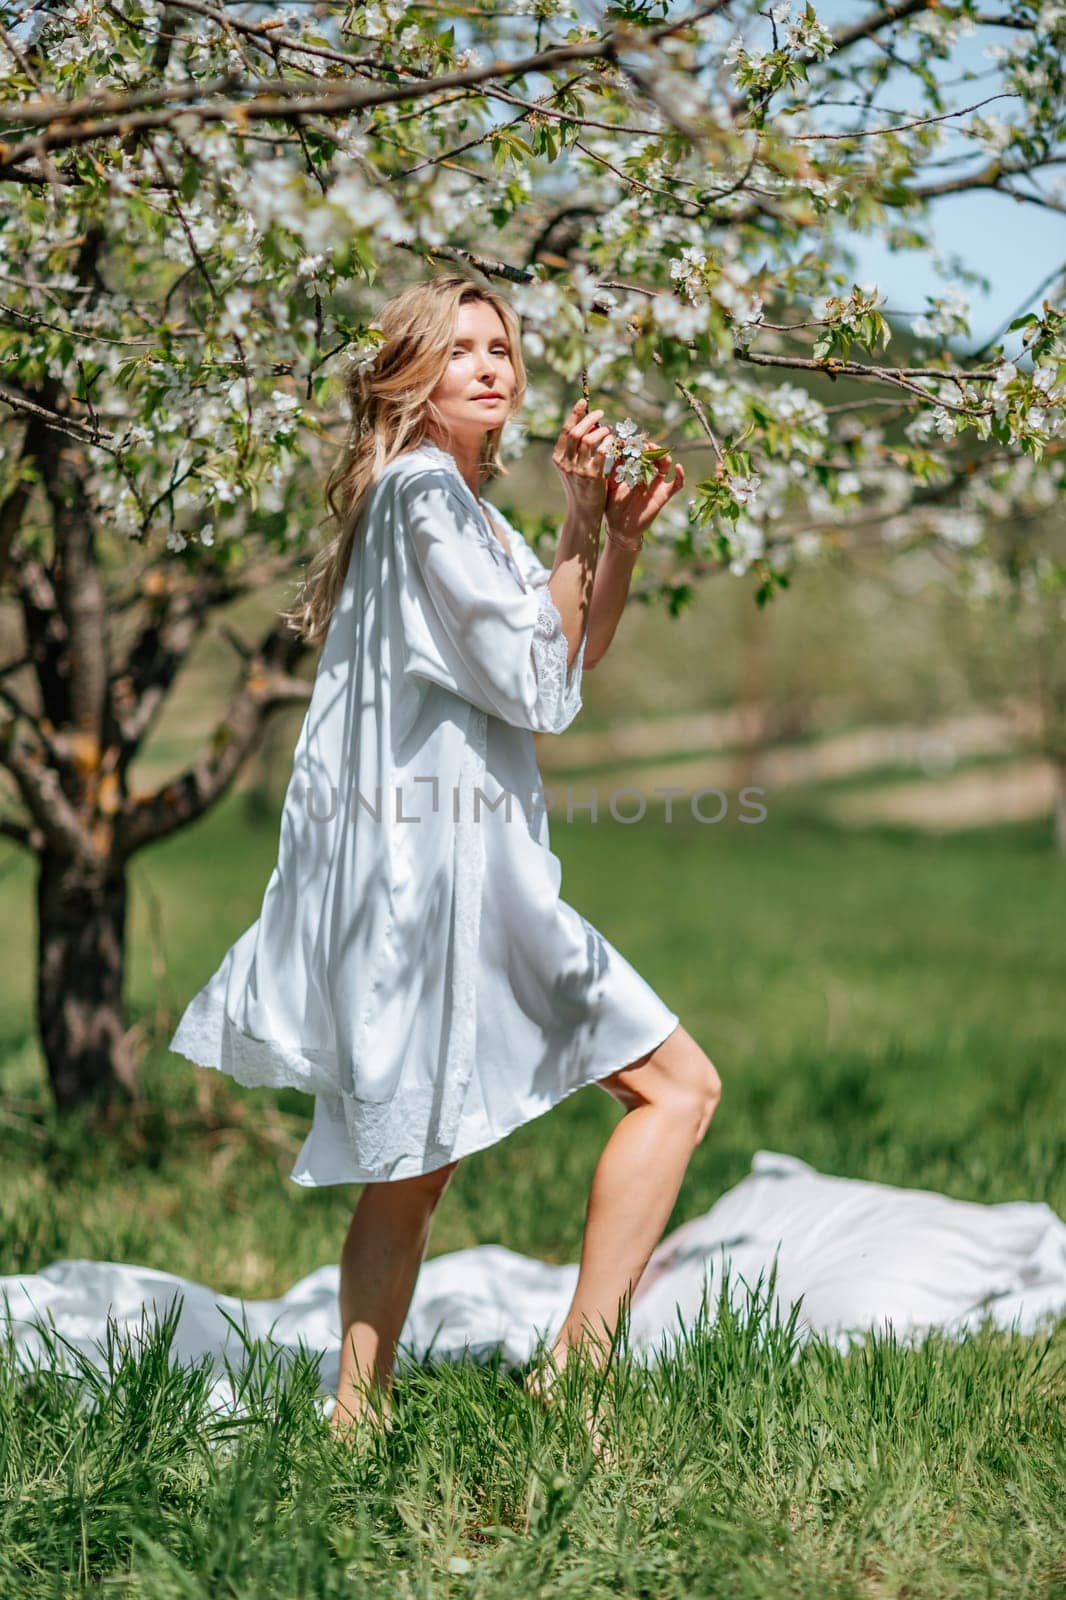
<point x="883" y="1004"/>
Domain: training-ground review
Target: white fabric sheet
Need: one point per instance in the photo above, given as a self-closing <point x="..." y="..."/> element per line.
<point x="857" y="1255"/>
<point x="413" y="965"/>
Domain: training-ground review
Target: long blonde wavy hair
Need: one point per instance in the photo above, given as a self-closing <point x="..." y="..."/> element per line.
<point x="390" y="411"/>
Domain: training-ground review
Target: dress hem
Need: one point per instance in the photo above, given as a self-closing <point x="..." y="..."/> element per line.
<point x="372" y="1175"/>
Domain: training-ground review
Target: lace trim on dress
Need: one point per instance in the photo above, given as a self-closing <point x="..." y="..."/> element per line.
<point x="206" y="1037"/>
<point x="381" y="1131"/>
<point x="560" y="686"/>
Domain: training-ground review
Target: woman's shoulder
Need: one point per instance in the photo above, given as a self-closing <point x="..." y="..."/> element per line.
<point x="421" y="459"/>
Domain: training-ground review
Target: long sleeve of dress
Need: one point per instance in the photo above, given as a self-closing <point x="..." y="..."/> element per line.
<point x="469" y="623"/>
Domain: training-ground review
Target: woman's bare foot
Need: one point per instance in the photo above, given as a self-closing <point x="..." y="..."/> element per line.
<point x="355" y="1428"/>
<point x="542" y="1383"/>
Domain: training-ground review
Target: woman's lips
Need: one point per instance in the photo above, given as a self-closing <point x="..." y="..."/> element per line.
<point x="488" y="397"/>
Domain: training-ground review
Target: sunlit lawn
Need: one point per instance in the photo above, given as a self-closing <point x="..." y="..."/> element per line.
<point x="883" y="1005"/>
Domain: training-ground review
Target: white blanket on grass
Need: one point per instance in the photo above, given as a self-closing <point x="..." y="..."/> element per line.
<point x="855" y="1255"/>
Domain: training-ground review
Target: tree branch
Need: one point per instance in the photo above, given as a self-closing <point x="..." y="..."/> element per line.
<point x="873" y="24"/>
<point x="178" y="616"/>
<point x="43" y="796"/>
<point x="46" y="633"/>
<point x="900" y="377"/>
<point x="268" y="683"/>
<point x="65" y="126"/>
<point x="55" y="419"/>
<point x="991" y="176"/>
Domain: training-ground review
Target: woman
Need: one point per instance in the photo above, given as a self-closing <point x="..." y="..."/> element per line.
<point x="413" y="965"/>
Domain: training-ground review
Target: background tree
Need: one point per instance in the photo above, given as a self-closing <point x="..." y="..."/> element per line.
<point x="203" y="205"/>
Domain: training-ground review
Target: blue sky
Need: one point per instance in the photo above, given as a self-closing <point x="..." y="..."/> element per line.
<point x="1014" y="244"/>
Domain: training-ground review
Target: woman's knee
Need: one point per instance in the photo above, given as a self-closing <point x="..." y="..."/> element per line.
<point x="425" y="1188"/>
<point x="710" y="1094"/>
<point x="699" y="1088"/>
<point x="679" y="1077"/>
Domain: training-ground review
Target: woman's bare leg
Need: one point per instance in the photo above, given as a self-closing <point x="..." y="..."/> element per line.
<point x="380" y="1261"/>
<point x="670" y="1097"/>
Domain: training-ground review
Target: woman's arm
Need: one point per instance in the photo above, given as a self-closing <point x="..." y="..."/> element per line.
<point x="579" y="459"/>
<point x="630" y="509"/>
<point x="614" y="571"/>
<point x="574" y="571"/>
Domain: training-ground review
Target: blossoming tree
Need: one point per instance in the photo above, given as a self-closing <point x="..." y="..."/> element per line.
<point x="204" y="202"/>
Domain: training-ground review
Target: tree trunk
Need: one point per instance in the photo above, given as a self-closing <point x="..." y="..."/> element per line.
<point x="81" y="946"/>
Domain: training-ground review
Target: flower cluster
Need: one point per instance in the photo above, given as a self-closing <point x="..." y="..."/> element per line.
<point x="863" y="299"/>
<point x="744" y="490"/>
<point x="999" y="394"/>
<point x="286" y="413"/>
<point x="690" y="270"/>
<point x="678" y="319"/>
<point x="365" y="351"/>
<point x="280" y="194"/>
<point x="624" y="457"/>
<point x="375" y="21"/>
<point x="949" y="314"/>
<point x="761" y="69"/>
<point x="706" y="278"/>
<point x="806" y="35"/>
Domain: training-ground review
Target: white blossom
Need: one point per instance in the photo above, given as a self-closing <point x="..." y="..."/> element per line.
<point x="234" y="319"/>
<point x="688" y="270"/>
<point x="1005" y="375"/>
<point x="950" y="314"/>
<point x="744" y="490"/>
<point x="809" y="37"/>
<point x="625" y="452"/>
<point x="676" y="318"/>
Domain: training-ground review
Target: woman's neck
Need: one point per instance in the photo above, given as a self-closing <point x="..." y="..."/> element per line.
<point x="467" y="457"/>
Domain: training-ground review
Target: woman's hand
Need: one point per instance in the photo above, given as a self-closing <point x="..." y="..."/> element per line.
<point x="579" y="458"/>
<point x="631" y="508"/>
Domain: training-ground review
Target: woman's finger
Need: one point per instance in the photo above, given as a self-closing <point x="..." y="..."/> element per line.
<point x="580" y="428"/>
<point x="589" y="445"/>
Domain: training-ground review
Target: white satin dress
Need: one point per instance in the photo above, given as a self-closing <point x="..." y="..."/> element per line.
<point x="413" y="965"/>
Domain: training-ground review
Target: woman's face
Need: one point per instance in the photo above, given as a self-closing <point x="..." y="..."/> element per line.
<point x="475" y="393"/>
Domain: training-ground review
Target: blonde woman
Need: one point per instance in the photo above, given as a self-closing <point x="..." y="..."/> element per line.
<point x="413" y="965"/>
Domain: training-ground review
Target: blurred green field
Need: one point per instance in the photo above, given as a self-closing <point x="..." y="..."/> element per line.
<point x="884" y="1004"/>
